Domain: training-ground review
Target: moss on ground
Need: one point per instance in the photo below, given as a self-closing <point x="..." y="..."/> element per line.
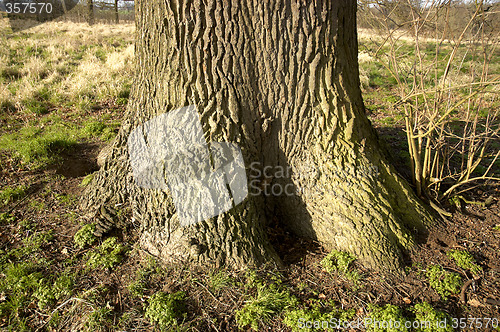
<point x="166" y="309"/>
<point x="340" y="262"/>
<point x="445" y="283"/>
<point x="465" y="260"/>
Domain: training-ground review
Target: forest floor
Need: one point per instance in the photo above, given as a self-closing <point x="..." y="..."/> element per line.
<point x="63" y="90"/>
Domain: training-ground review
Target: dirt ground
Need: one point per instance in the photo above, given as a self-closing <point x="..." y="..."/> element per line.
<point x="472" y="228"/>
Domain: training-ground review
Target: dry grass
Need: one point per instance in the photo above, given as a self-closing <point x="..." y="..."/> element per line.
<point x="401" y="35"/>
<point x="38" y="65"/>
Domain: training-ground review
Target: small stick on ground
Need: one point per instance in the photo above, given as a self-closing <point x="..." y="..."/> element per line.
<point x="464" y="289"/>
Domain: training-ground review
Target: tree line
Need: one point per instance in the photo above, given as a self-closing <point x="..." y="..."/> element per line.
<point x="447" y="17"/>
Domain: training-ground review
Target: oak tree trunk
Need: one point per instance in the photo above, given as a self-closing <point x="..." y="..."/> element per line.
<point x="280" y="79"/>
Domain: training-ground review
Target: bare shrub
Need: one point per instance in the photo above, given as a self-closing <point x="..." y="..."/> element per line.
<point x="447" y="87"/>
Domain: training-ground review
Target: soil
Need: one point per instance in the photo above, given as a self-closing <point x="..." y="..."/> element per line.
<point x="471" y="228"/>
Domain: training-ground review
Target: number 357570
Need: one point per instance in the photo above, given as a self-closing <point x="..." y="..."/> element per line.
<point x="471" y="322"/>
<point x="28" y="8"/>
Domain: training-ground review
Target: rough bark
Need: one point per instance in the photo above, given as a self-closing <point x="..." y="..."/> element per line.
<point x="280" y="79"/>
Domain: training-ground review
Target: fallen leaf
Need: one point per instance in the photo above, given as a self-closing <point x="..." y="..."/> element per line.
<point x="474" y="302"/>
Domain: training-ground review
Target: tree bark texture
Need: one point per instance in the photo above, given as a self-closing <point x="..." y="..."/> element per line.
<point x="280" y="79"/>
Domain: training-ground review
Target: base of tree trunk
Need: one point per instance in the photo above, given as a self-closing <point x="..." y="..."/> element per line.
<point x="280" y="79"/>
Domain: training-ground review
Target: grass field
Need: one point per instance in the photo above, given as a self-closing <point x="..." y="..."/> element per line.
<point x="63" y="90"/>
<point x="53" y="79"/>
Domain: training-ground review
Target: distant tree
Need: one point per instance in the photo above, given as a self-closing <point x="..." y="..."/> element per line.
<point x="117" y="17"/>
<point x="90" y="12"/>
